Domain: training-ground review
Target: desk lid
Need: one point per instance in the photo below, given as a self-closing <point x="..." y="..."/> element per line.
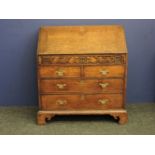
<point x="81" y="40"/>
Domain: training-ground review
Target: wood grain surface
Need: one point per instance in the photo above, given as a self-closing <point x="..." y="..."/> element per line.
<point x="81" y="39"/>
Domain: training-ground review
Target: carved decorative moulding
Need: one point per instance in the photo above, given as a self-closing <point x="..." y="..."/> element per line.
<point x="83" y="59"/>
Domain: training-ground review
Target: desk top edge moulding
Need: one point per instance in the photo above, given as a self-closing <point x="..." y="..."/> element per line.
<point x="82" y="70"/>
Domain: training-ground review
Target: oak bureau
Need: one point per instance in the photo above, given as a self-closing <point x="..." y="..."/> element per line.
<point x="82" y="70"/>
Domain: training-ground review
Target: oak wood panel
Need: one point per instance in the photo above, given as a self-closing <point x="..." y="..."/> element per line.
<point x="83" y="102"/>
<point x="52" y="71"/>
<point x="104" y="71"/>
<point x="84" y="86"/>
<point x="82" y="39"/>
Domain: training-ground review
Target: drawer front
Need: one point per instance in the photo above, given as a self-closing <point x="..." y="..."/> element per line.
<point x="85" y="86"/>
<point x="47" y="86"/>
<point x="82" y="102"/>
<point x="103" y="101"/>
<point x="104" y="85"/>
<point x="104" y="71"/>
<point x="58" y="72"/>
<point x="60" y="102"/>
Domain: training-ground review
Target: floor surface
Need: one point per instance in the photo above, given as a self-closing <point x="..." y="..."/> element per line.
<point x="22" y="121"/>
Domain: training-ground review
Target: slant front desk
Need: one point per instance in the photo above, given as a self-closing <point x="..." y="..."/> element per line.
<point x="82" y="71"/>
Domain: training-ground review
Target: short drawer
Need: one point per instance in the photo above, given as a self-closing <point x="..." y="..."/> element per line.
<point x="85" y="86"/>
<point x="81" y="102"/>
<point x="58" y="72"/>
<point x="104" y="71"/>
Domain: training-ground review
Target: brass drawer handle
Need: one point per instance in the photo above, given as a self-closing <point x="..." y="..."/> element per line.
<point x="60" y="73"/>
<point x="61" y="86"/>
<point x="104" y="85"/>
<point x="104" y="72"/>
<point x="61" y="102"/>
<point x="103" y="101"/>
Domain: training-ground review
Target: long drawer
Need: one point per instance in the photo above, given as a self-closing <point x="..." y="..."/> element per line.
<point x="74" y="85"/>
<point x="81" y="102"/>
